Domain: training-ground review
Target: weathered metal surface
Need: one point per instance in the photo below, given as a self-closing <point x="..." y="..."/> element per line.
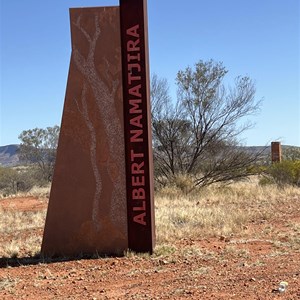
<point x="102" y="191"/>
<point x="87" y="210"/>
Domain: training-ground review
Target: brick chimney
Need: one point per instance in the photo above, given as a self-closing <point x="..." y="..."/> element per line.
<point x="276" y="152"/>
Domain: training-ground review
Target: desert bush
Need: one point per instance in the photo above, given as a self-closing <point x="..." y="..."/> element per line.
<point x="216" y="211"/>
<point x="198" y="135"/>
<point x="26" y="180"/>
<point x="284" y="173"/>
<point x="36" y="177"/>
<point x="8" y="180"/>
<point x="19" y="179"/>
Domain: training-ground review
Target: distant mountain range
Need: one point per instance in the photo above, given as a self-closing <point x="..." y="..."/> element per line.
<point x="9" y="154"/>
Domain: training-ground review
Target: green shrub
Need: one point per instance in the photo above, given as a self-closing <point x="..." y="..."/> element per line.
<point x="26" y="180"/>
<point x="266" y="180"/>
<point x="284" y="173"/>
<point x="19" y="179"/>
<point x="8" y="180"/>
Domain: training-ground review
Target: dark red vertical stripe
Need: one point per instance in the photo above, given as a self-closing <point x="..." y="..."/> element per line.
<point x="138" y="144"/>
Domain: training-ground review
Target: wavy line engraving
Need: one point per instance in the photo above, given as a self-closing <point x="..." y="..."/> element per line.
<point x="93" y="148"/>
<point x="107" y="111"/>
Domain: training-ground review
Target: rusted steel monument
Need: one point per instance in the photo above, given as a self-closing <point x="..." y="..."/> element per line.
<point x="101" y="199"/>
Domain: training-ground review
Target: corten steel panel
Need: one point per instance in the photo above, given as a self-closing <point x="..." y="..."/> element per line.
<point x="87" y="210"/>
<point x="276" y="151"/>
<point x="137" y="123"/>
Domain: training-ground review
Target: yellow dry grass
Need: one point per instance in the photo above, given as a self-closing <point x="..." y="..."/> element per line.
<point x="20" y="232"/>
<point x="8" y="284"/>
<point x="211" y="212"/>
<point x="35" y="191"/>
<point x="219" y="211"/>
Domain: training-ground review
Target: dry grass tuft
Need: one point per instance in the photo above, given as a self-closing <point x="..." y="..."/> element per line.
<point x="211" y="212"/>
<point x="16" y="221"/>
<point x="219" y="210"/>
<point x="35" y="191"/>
<point x="8" y="284"/>
<point x="21" y="233"/>
<point x="40" y="192"/>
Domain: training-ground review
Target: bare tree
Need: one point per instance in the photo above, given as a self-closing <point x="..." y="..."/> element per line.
<point x="198" y="135"/>
<point x="170" y="131"/>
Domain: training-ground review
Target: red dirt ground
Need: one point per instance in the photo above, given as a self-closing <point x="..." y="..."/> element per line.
<point x="23" y="204"/>
<point x="215" y="268"/>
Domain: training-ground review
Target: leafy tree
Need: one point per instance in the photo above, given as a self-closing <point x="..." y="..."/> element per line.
<point x="198" y="135"/>
<point x="38" y="146"/>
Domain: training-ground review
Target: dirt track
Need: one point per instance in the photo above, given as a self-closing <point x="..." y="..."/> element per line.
<point x="235" y="267"/>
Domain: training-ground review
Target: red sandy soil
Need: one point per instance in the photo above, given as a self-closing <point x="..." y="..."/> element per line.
<point x="23" y="204"/>
<point x="237" y="267"/>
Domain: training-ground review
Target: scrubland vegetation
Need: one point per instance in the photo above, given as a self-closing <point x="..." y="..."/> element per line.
<point x="222" y="211"/>
<point x="183" y="209"/>
<point x="206" y="183"/>
<point x="20" y="179"/>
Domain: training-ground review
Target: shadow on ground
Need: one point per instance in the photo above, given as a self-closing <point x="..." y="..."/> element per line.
<point x="13" y="262"/>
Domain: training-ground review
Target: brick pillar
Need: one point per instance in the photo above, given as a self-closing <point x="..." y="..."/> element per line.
<point x="276" y="152"/>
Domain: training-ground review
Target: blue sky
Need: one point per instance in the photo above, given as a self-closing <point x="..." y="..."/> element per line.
<point x="258" y="38"/>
